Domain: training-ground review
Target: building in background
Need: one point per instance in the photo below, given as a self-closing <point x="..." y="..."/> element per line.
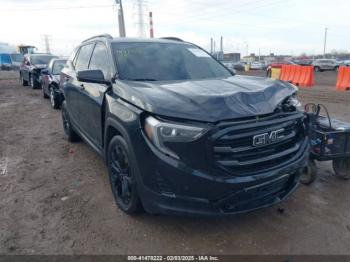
<point x="232" y="57"/>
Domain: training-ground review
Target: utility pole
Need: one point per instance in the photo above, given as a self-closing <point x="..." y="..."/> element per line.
<point x="211" y="45"/>
<point x="151" y="32"/>
<point x="47" y="40"/>
<point x="121" y="22"/>
<point x="325" y="42"/>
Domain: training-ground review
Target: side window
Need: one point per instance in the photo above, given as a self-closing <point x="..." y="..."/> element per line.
<point x="100" y="60"/>
<point x="83" y="57"/>
<point x="73" y="56"/>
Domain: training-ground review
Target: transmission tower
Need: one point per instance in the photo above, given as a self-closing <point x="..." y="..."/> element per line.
<point x="140" y="7"/>
<point x="47" y="39"/>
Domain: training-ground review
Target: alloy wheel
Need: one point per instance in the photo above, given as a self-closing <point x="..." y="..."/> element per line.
<point x="121" y="179"/>
<point x="52" y="97"/>
<point x="31" y="81"/>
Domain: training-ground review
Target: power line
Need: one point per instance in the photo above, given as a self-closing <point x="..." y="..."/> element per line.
<point x="204" y="15"/>
<point x="57" y="8"/>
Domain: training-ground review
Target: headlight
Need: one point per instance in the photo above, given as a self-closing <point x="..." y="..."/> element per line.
<point x="294" y="101"/>
<point x="161" y="132"/>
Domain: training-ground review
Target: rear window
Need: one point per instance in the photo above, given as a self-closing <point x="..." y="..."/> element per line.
<point x="41" y="59"/>
<point x="58" y="66"/>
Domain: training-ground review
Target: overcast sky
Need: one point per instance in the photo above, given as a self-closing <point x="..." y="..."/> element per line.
<point x="279" y="26"/>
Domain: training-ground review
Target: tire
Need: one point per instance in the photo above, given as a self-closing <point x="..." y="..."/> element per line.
<point x="309" y="173"/>
<point x="72" y="136"/>
<point x="33" y="83"/>
<point x="23" y="82"/>
<point x="122" y="176"/>
<point x="54" y="100"/>
<point x="341" y="167"/>
<point x="43" y="90"/>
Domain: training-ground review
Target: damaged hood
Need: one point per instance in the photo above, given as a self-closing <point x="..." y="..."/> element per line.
<point x="208" y="100"/>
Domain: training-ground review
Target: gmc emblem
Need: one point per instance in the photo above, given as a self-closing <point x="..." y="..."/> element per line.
<point x="268" y="138"/>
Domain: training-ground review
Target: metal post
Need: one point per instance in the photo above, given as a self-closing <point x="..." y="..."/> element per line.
<point x="325" y="42"/>
<point x="121" y="18"/>
<point x="151" y="32"/>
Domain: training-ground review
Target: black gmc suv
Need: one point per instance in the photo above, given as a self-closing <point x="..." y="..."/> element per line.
<point x="179" y="132"/>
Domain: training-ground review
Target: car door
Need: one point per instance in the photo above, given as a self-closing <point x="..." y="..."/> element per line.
<point x="93" y="95"/>
<point x="72" y="87"/>
<point x="328" y="64"/>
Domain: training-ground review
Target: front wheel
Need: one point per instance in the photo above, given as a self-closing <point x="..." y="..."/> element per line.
<point x="43" y="90"/>
<point x="32" y="82"/>
<point x="54" y="99"/>
<point x="122" y="176"/>
<point x="67" y="126"/>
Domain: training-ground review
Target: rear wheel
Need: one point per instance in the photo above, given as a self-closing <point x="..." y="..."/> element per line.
<point x="67" y="126"/>
<point x="341" y="168"/>
<point x="122" y="176"/>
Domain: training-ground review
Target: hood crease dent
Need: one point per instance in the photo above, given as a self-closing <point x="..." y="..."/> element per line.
<point x="208" y="100"/>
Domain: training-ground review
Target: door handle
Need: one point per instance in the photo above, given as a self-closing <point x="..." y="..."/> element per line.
<point x="82" y="87"/>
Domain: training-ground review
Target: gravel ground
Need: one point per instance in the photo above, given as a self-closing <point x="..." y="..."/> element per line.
<point x="55" y="196"/>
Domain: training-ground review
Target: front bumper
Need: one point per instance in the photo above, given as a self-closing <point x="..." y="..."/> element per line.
<point x="170" y="187"/>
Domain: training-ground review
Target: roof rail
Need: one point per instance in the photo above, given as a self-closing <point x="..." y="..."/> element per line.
<point x="97" y="36"/>
<point x="172" y="38"/>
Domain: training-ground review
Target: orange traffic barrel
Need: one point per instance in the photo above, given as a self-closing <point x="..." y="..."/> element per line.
<point x="343" y="79"/>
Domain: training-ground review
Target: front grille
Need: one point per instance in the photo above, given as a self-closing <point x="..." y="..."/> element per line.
<point x="257" y="196"/>
<point x="233" y="148"/>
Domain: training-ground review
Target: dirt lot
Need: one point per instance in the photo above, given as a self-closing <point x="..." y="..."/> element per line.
<point x="55" y="196"/>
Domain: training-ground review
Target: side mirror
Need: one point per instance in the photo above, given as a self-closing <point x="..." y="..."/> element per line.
<point x="45" y="71"/>
<point x="92" y="76"/>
